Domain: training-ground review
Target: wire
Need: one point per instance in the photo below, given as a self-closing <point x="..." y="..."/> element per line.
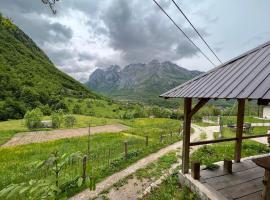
<point x="183" y="32"/>
<point x="196" y="31"/>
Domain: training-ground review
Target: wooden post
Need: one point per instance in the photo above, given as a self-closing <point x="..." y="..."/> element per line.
<point x="109" y="156"/>
<point x="126" y="149"/>
<point x="227" y="166"/>
<point x="84" y="161"/>
<point x="186" y="135"/>
<point x="146" y="140"/>
<point x="266" y="183"/>
<point x="171" y="135"/>
<point x="239" y="130"/>
<point x="161" y="137"/>
<point x="195" y="170"/>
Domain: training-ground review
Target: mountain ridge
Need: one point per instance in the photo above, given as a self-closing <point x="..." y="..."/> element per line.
<point x="28" y="78"/>
<point x="139" y="81"/>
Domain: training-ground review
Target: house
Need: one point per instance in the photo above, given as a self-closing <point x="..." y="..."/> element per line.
<point x="246" y="77"/>
<point x="266" y="112"/>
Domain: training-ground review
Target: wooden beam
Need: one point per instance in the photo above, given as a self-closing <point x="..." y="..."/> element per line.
<point x="239" y="130"/>
<point x="186" y="135"/>
<point x="211" y="141"/>
<point x="255" y="136"/>
<point x="198" y="106"/>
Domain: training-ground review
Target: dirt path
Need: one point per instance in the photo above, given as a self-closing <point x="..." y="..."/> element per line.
<point x="109" y="181"/>
<point x="44" y="136"/>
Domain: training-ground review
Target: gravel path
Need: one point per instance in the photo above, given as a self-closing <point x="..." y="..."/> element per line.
<point x="109" y="181"/>
<point x="44" y="136"/>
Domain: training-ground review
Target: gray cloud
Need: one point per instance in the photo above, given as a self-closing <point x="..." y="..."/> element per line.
<point x="144" y="34"/>
<point x="87" y="33"/>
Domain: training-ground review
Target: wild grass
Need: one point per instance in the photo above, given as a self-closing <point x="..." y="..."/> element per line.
<point x="11" y="127"/>
<point x="170" y="189"/>
<point x="106" y="157"/>
<point x="210" y="154"/>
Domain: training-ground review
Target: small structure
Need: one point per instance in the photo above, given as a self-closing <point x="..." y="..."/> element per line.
<point x="266" y="112"/>
<point x="46" y="124"/>
<point x="246" y="77"/>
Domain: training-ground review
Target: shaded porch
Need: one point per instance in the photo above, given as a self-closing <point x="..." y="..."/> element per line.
<point x="244" y="183"/>
<point x="244" y="78"/>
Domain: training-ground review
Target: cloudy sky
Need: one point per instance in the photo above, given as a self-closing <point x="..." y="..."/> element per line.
<point x="86" y="34"/>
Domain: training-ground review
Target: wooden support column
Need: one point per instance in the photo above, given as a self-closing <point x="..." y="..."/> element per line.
<point x="186" y="135"/>
<point x="239" y="129"/>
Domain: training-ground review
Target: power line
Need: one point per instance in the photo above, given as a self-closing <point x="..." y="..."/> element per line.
<point x="183" y="33"/>
<point x="196" y="31"/>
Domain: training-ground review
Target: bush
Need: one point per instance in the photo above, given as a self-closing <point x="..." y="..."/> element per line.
<point x="33" y="118"/>
<point x="76" y="109"/>
<point x="57" y="118"/>
<point x="12" y="109"/>
<point x="69" y="120"/>
<point x="46" y="110"/>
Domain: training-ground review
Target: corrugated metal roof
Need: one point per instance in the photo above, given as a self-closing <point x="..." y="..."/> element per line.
<point x="244" y="77"/>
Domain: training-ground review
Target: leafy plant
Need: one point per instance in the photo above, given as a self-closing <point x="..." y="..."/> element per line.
<point x="33" y="118"/>
<point x="32" y="190"/>
<point x="69" y="120"/>
<point x="57" y="118"/>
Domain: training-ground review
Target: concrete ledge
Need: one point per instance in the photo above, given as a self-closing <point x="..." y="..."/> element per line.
<point x="199" y="188"/>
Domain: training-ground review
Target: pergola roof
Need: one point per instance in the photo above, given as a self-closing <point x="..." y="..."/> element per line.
<point x="244" y="77"/>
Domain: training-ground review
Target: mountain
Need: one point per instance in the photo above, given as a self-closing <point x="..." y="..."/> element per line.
<point x="28" y="78"/>
<point x="139" y="82"/>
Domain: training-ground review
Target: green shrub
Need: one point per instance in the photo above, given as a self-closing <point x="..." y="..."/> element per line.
<point x="57" y="118"/>
<point x="69" y="120"/>
<point x="33" y="118"/>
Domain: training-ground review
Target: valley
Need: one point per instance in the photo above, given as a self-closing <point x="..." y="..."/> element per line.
<point x="62" y="139"/>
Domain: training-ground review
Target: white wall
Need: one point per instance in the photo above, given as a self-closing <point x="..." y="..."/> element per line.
<point x="266" y="112"/>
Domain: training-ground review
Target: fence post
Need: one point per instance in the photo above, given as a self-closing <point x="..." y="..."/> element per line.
<point x="161" y="137"/>
<point x="84" y="160"/>
<point x="109" y="156"/>
<point x="126" y="148"/>
<point x="146" y="140"/>
<point x="171" y="135"/>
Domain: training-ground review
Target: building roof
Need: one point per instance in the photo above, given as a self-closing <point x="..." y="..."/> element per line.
<point x="244" y="77"/>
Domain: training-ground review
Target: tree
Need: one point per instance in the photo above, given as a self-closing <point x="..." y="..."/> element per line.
<point x="76" y="109"/>
<point x="33" y="118"/>
<point x="50" y="189"/>
<point x="51" y="4"/>
<point x="57" y="118"/>
<point x="12" y="109"/>
<point x="69" y="120"/>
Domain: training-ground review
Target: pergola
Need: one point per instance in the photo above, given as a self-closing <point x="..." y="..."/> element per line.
<point x="246" y="77"/>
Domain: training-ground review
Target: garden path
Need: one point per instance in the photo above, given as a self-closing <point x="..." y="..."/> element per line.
<point x="44" y="136"/>
<point x="111" y="180"/>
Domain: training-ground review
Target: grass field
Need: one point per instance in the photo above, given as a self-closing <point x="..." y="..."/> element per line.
<point x="210" y="154"/>
<point x="170" y="189"/>
<point x="11" y="127"/>
<point x="257" y="130"/>
<point x="232" y="119"/>
<point x="16" y="161"/>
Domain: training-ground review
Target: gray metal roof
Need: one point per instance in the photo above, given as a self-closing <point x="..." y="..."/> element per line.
<point x="244" y="77"/>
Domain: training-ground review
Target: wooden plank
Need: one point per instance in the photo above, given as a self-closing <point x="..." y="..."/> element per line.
<point x="255" y="136"/>
<point x="239" y="129"/>
<point x="235" y="178"/>
<point x="253" y="196"/>
<point x="243" y="189"/>
<point x="212" y="141"/>
<point x="198" y="106"/>
<point x="237" y="167"/>
<point x="186" y="135"/>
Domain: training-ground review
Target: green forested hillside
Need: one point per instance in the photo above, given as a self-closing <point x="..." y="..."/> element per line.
<point x="27" y="76"/>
